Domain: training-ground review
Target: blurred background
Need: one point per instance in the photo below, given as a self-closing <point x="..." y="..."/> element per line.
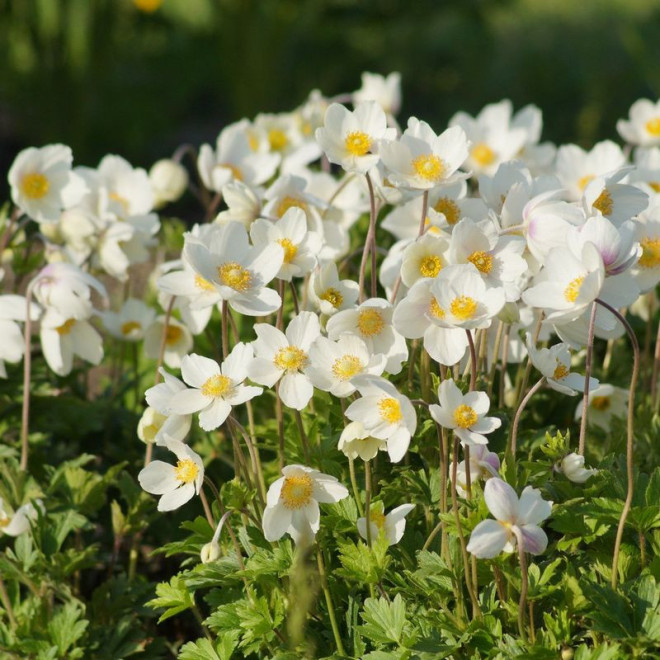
<point x="140" y="77"/>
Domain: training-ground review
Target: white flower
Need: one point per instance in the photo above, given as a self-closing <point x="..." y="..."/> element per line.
<point x="573" y="467"/>
<point x="128" y="188"/>
<point x="605" y="402"/>
<point x="483" y="465"/>
<point x="243" y="204"/>
<point x="178" y="341"/>
<point x="176" y="484"/>
<point x="284" y="358"/>
<point x="464" y="413"/>
<point x="13" y="308"/>
<point x="643" y="127"/>
<point x="328" y="293"/>
<point x="292" y="503"/>
<point x="392" y="525"/>
<point x="159" y="397"/>
<point x="19" y="523"/>
<point x="517" y="521"/>
<point x="131" y="321"/>
<point x="355" y="441"/>
<point x="42" y="183"/>
<point x="168" y="181"/>
<point x="385" y="413"/>
<point x="214" y="388"/>
<point x="385" y="90"/>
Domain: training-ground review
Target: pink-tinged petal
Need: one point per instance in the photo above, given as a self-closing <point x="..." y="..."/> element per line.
<point x="158" y="478"/>
<point x="197" y="369"/>
<point x="189" y="401"/>
<point x="501" y="500"/>
<point x="328" y="490"/>
<point x="176" y="498"/>
<point x="212" y="417"/>
<point x="275" y="522"/>
<point x="534" y="539"/>
<point x="488" y="539"/>
<point x="532" y="508"/>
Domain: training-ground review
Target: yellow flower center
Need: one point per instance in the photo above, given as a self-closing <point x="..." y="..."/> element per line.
<point x="152" y="429"/>
<point x="429" y="167"/>
<point x="585" y="181"/>
<point x="435" y="310"/>
<point x="482" y="260"/>
<point x="333" y="297"/>
<point x="35" y="185"/>
<point x="129" y="327"/>
<point x="431" y="229"/>
<point x="377" y="518"/>
<point x="216" y="386"/>
<point x="390" y="410"/>
<point x="600" y="402"/>
<point x="465" y="416"/>
<point x="463" y="307"/>
<point x="572" y="291"/>
<point x="277" y="139"/>
<point x="650" y="253"/>
<point x="147" y="6"/>
<point x="653" y="127"/>
<point x="347" y="366"/>
<point x="290" y="358"/>
<point x="483" y="154"/>
<point x="173" y="334"/>
<point x="357" y="143"/>
<point x="4" y="521"/>
<point x="235" y="276"/>
<point x="203" y="284"/>
<point x="122" y="201"/>
<point x="290" y="202"/>
<point x="370" y="322"/>
<point x="430" y="265"/>
<point x="296" y="491"/>
<point x="449" y="208"/>
<point x="604" y="202"/>
<point x="65" y="328"/>
<point x="560" y="372"/>
<point x="654" y="185"/>
<point x="290" y="250"/>
<point x="236" y="173"/>
<point x="186" y="471"/>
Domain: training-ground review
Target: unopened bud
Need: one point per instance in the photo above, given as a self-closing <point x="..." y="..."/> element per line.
<point x="168" y="181"/>
<point x="210" y="552"/>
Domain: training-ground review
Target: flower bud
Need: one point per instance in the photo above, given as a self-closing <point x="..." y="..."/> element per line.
<point x="210" y="552"/>
<point x="168" y="181"/>
<point x="573" y="467"/>
<point x="149" y="425"/>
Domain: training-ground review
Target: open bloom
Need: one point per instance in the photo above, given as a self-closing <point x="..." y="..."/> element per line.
<point x="516" y="521"/>
<point x="175" y="483"/>
<point x="643" y="126"/>
<point x="605" y="401"/>
<point x="391" y="525"/>
<point x="573" y="467"/>
<point x="464" y="413"/>
<point x="19" y="522"/>
<point x="292" y="503"/>
<point x="354" y="441"/>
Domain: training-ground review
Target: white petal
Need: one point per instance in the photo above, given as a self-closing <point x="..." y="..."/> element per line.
<point x="488" y="539"/>
<point x="275" y="522"/>
<point x="501" y="500"/>
<point x="176" y="498"/>
<point x="158" y="478"/>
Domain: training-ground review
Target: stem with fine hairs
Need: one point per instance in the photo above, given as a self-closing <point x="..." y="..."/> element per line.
<point x="27" y="368"/>
<point x="369" y="245"/>
<point x="587" y="378"/>
<point x="524" y="584"/>
<point x="516" y="420"/>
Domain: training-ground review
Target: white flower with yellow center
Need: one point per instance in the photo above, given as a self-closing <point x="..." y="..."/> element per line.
<point x="284" y="357"/>
<point x="243" y="204"/>
<point x="214" y="388"/>
<point x="13" y="308"/>
<point x="64" y="337"/>
<point x="422" y="160"/>
<point x="385" y="413"/>
<point x="350" y="139"/>
<point x="131" y="321"/>
<point x="465" y="414"/>
<point x="176" y="484"/>
<point x="300" y="246"/>
<point x="643" y="125"/>
<point x="372" y="322"/>
<point x="426" y="256"/>
<point x="178" y="341"/>
<point x="391" y="525"/>
<point x="238" y="271"/>
<point x="19" y="522"/>
<point x="385" y="90"/>
<point x="292" y="503"/>
<point x="355" y="442"/>
<point x="162" y="422"/>
<point x="128" y="189"/>
<point x="605" y="401"/>
<point x="647" y="233"/>
<point x="555" y="364"/>
<point x="42" y="183"/>
<point x="334" y="364"/>
<point x="618" y="202"/>
<point x="291" y="191"/>
<point x="328" y="293"/>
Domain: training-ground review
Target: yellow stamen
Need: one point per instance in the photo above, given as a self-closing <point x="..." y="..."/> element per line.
<point x="333" y="297"/>
<point x="65" y="328"/>
<point x="377" y="518"/>
<point x="572" y="291"/>
<point x="465" y="416"/>
<point x="482" y="260"/>
<point x="122" y="201"/>
<point x="347" y="366"/>
<point x="463" y="307"/>
<point x="483" y="154"/>
<point x="604" y="202"/>
<point x="236" y="277"/>
<point x="147" y="6"/>
<point x="560" y="372"/>
<point x="296" y="491"/>
<point x="390" y="410"/>
<point x="35" y="185"/>
<point x="129" y="327"/>
<point x="203" y="284"/>
<point x="290" y="250"/>
<point x="236" y="173"/>
<point x="650" y="253"/>
<point x="601" y="402"/>
<point x="277" y="139"/>
<point x="173" y="334"/>
<point x="216" y="386"/>
<point x="449" y="208"/>
<point x="290" y="202"/>
<point x="430" y="265"/>
<point x="585" y="181"/>
<point x="370" y="322"/>
<point x="653" y="127"/>
<point x="654" y="185"/>
<point x="357" y="143"/>
<point x="429" y="167"/>
<point x="435" y="310"/>
<point x="290" y="358"/>
<point x="186" y="471"/>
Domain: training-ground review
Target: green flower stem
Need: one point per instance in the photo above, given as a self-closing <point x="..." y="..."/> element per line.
<point x="367" y="502"/>
<point x="303" y="435"/>
<point x="328" y="602"/>
<point x="473" y="361"/>
<point x="254" y="460"/>
<point x="587" y="377"/>
<point x="280" y="426"/>
<point x="496" y="356"/>
<point x="528" y="366"/>
<point x="6" y="603"/>
<point x="27" y="367"/>
<point x="356" y="490"/>
<point x="369" y="246"/>
<point x="225" y="330"/>
<point x="523" y="588"/>
<point x="516" y="420"/>
<point x="505" y="357"/>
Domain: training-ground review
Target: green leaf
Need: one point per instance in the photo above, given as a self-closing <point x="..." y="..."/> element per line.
<point x="173" y="596"/>
<point x="361" y="563"/>
<point x="384" y="621"/>
<point x="66" y="627"/>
